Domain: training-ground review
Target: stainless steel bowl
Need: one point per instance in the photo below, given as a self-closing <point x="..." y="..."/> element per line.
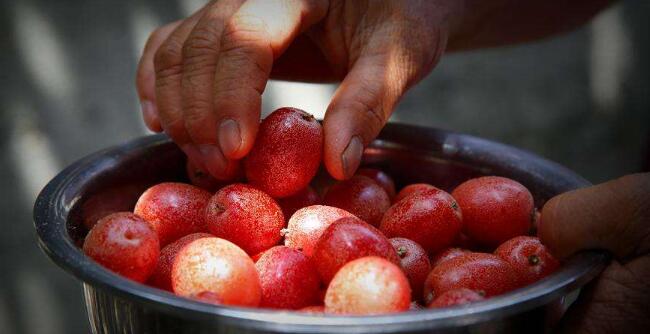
<point x="409" y="153"/>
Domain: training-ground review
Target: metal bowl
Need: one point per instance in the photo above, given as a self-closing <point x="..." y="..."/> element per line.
<point x="409" y="153"/>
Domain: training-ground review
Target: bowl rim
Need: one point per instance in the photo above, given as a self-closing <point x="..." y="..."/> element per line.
<point x="51" y="226"/>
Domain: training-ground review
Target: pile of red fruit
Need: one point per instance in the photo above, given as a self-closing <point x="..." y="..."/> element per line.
<point x="274" y="242"/>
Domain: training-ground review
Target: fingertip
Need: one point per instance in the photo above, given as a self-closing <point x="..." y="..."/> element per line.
<point x="150" y="115"/>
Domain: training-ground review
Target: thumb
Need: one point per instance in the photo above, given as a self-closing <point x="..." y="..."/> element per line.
<point x="614" y="216"/>
<point x="362" y="104"/>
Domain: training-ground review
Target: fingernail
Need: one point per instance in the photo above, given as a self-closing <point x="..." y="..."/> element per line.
<point x="351" y="157"/>
<point x="229" y="137"/>
<point x="213" y="159"/>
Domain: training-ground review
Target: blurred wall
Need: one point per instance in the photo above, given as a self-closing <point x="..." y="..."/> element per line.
<point x="67" y="90"/>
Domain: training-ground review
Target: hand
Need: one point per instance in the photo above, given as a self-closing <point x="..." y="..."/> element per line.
<point x="614" y="216"/>
<point x="201" y="79"/>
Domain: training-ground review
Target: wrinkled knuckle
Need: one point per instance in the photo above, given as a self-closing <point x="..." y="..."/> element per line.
<point x="168" y="57"/>
<point x="202" y="42"/>
<point x="194" y="112"/>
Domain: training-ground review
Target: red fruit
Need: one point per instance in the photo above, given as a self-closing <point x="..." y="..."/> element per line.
<point x="447" y="254"/>
<point x="529" y="256"/>
<point x="125" y="244"/>
<point x="201" y="178"/>
<point x="307" y="225"/>
<point x="245" y="216"/>
<point x="430" y="218"/>
<point x="456" y="297"/>
<point x="382" y="179"/>
<point x="411" y="189"/>
<point x="495" y="209"/>
<point x="347" y="239"/>
<point x="208" y="297"/>
<point x="304" y="198"/>
<point x="173" y="210"/>
<point x="414" y="261"/>
<point x="162" y="275"/>
<point x="369" y="285"/>
<point x="289" y="280"/>
<point x="481" y="272"/>
<point x="314" y="309"/>
<point x="218" y="266"/>
<point x="286" y="153"/>
<point x="360" y="196"/>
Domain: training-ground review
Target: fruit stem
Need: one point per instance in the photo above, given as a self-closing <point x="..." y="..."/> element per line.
<point x="533" y="259"/>
<point x="401" y="251"/>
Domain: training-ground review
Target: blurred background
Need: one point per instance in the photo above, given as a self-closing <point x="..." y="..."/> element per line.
<point x="66" y="90"/>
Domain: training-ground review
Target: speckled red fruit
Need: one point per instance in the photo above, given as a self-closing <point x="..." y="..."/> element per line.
<point x="430" y="218"/>
<point x="218" y="266"/>
<point x="201" y="178"/>
<point x="347" y="239"/>
<point x="360" y="196"/>
<point x="382" y="179"/>
<point x="413" y="189"/>
<point x="307" y="225"/>
<point x="162" y="277"/>
<point x="314" y="309"/>
<point x="495" y="209"/>
<point x="304" y="198"/>
<point x="414" y="261"/>
<point x="456" y="297"/>
<point x="369" y="285"/>
<point x="125" y="244"/>
<point x="208" y="297"/>
<point x="529" y="256"/>
<point x="481" y="272"/>
<point x="173" y="210"/>
<point x="289" y="280"/>
<point x="245" y="216"/>
<point x="286" y="153"/>
<point x="447" y="254"/>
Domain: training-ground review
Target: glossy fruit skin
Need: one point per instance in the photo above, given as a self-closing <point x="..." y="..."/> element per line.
<point x="456" y="297"/>
<point x="218" y="266"/>
<point x="304" y="198"/>
<point x="289" y="279"/>
<point x="125" y="244"/>
<point x="347" y="239"/>
<point x="314" y="309"/>
<point x="162" y="275"/>
<point x="286" y="154"/>
<point x="495" y="209"/>
<point x="447" y="254"/>
<point x="382" y="179"/>
<point x="173" y="210"/>
<point x="307" y="225"/>
<point x="529" y="256"/>
<point x="411" y="189"/>
<point x="245" y="216"/>
<point x="481" y="272"/>
<point x="414" y="261"/>
<point x="368" y="285"/>
<point x="429" y="218"/>
<point x="360" y="196"/>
